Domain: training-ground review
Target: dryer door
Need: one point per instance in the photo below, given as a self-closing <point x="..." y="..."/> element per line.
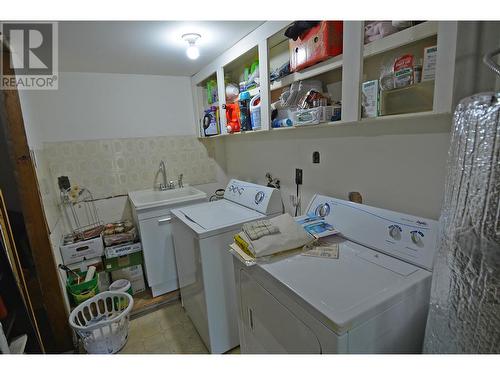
<point x="267" y="326"/>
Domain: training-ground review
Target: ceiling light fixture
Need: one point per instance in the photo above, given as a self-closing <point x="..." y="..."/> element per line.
<point x="192" y="51"/>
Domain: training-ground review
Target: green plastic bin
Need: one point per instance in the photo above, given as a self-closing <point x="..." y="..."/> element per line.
<point x="83" y="291"/>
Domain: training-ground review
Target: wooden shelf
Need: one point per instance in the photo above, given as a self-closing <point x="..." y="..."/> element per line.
<point x="403" y="116"/>
<point x="401" y="38"/>
<point x="317" y="126"/>
<point x="334" y="124"/>
<point x="249" y="132"/>
<point x="320" y="68"/>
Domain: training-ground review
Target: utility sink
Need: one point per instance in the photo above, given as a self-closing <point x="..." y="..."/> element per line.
<point x="151" y="214"/>
<point x="144" y="199"/>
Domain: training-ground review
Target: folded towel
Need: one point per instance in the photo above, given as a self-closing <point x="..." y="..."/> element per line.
<point x="259" y="228"/>
<point x="290" y="236"/>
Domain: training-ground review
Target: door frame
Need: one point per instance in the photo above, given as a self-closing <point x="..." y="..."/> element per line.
<point x="34" y="218"/>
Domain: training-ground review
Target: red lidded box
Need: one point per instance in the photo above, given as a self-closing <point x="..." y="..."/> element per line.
<point x="316" y="44"/>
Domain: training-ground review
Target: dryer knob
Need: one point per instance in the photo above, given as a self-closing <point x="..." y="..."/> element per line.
<point x="259" y="197"/>
<point x="323" y="210"/>
<point x="395" y="232"/>
<point x="416" y="237"/>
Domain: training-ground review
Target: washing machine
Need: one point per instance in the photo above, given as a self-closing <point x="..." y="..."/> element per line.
<point x="202" y="234"/>
<point x="372" y="299"/>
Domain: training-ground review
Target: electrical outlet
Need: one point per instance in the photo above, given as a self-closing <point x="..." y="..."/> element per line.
<point x="298" y="176"/>
<point x="316" y="157"/>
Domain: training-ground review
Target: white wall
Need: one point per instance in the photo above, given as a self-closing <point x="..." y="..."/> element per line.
<point x="106" y="106"/>
<point x="394" y="165"/>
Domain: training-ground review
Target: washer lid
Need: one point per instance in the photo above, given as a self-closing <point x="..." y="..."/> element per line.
<point x="218" y="214"/>
<point x="349" y="290"/>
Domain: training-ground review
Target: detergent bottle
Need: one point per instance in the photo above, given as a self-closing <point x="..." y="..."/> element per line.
<point x="244" y="102"/>
<point x="255" y="112"/>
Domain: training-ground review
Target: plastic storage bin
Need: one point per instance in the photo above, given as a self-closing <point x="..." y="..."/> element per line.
<point x="82" y="291"/>
<point x="317" y="44"/>
<point x="102" y="322"/>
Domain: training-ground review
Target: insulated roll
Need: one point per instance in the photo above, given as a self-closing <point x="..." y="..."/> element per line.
<point x="464" y="311"/>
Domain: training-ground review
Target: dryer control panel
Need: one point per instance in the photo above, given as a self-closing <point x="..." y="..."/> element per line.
<point x="260" y="198"/>
<point x="410" y="238"/>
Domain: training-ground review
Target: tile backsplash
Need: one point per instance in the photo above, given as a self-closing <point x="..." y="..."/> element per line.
<point x="116" y="166"/>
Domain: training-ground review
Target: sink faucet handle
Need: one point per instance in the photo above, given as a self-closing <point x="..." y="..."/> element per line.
<point x="179" y="181"/>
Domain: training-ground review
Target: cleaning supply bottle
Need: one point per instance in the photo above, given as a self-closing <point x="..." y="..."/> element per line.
<point x="283" y="123"/>
<point x="245" y="111"/>
<point x="255" y="112"/>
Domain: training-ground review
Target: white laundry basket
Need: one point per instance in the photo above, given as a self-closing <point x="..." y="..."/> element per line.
<point x="102" y="322"/>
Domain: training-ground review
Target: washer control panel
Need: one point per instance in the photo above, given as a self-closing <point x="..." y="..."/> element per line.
<point x="260" y="198"/>
<point x="410" y="238"/>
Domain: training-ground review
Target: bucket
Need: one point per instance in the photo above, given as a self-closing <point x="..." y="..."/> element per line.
<point x="82" y="291"/>
<point x="255" y="112"/>
<point x="121" y="285"/>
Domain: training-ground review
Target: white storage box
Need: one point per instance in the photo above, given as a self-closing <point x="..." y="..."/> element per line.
<point x="122" y="249"/>
<point x="312" y="116"/>
<point x="133" y="274"/>
<point x="82" y="250"/>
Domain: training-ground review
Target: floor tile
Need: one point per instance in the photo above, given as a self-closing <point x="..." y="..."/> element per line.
<point x="164" y="331"/>
<point x="157" y="344"/>
<point x="133" y="347"/>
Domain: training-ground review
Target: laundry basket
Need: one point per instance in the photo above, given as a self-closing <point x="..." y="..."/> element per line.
<point x="102" y="322"/>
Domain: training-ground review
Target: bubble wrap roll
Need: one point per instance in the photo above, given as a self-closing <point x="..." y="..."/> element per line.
<point x="464" y="312"/>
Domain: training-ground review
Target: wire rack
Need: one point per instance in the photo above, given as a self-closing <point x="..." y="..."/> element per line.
<point x="81" y="212"/>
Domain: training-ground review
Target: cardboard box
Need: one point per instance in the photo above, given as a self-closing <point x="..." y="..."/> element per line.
<point x="122" y="249"/>
<point x="134" y="274"/>
<point x="370" y="98"/>
<point x="114" y="264"/>
<point x="72" y="253"/>
<point x="429" y="65"/>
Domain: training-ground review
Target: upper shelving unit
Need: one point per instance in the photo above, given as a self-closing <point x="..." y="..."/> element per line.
<point x="339" y="78"/>
<point x="401" y="38"/>
<point x="392" y="80"/>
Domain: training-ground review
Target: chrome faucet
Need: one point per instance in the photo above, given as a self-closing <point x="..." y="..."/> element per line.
<point x="163" y="170"/>
<point x="166" y="186"/>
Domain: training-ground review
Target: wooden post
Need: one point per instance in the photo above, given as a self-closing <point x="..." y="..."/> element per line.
<point x="34" y="217"/>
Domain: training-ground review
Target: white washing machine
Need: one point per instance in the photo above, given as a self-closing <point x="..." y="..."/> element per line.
<point x="372" y="299"/>
<point x="202" y="234"/>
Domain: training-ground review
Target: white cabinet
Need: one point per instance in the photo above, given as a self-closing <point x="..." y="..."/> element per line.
<point x="159" y="257"/>
<point x="151" y="213"/>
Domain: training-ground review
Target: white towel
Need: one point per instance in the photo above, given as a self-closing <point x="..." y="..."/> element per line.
<point x="291" y="236"/>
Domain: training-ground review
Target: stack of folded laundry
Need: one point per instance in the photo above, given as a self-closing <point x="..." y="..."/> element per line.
<point x="267" y="237"/>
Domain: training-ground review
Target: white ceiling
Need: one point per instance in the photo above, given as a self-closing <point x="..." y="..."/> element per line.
<point x="144" y="47"/>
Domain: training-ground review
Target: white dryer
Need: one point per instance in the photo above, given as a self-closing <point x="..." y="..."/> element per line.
<point x="202" y="234"/>
<point x="372" y="299"/>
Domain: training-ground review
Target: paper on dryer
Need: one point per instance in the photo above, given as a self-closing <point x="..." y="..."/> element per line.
<point x="326" y="247"/>
<point x="316" y="225"/>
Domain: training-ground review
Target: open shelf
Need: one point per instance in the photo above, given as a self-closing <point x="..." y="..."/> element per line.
<point x="333" y="124"/>
<point x="381" y="54"/>
<point x="340" y="74"/>
<point x="401" y="38"/>
<point x="315" y="70"/>
<point x="249" y="132"/>
<point x="208" y="103"/>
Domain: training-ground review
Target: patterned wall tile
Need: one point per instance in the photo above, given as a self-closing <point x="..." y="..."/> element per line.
<point x="117" y="166"/>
